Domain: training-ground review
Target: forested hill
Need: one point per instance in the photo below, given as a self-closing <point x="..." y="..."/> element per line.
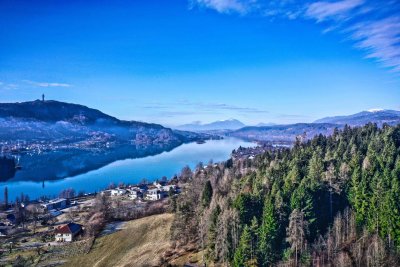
<point x="59" y="121"/>
<point x="331" y="201"/>
<point x="53" y="111"/>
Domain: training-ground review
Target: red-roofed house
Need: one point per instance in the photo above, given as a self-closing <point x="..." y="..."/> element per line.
<point x="67" y="232"/>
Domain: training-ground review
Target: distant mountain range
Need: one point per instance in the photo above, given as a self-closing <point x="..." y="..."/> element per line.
<point x="261" y="124"/>
<point x="64" y="122"/>
<point x="283" y="133"/>
<point x="377" y="116"/>
<point x="59" y="121"/>
<point x="231" y="124"/>
<point x="325" y="126"/>
<point x="218" y="126"/>
<point x="288" y="132"/>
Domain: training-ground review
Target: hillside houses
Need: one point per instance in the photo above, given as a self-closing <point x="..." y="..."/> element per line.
<point x="150" y="192"/>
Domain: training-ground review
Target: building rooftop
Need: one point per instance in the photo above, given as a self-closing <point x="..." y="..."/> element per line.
<point x="70" y="228"/>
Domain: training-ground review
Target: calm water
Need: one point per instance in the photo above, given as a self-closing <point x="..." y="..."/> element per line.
<point x="130" y="170"/>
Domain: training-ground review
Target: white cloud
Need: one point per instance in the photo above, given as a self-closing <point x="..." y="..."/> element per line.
<point x="226" y="6"/>
<point x="8" y="86"/>
<point x="381" y="40"/>
<point x="206" y="107"/>
<point x="373" y="26"/>
<point x="332" y="10"/>
<point x="47" y="84"/>
<point x="378" y="34"/>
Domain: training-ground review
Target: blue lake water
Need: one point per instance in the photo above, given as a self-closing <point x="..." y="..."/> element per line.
<point x="130" y="171"/>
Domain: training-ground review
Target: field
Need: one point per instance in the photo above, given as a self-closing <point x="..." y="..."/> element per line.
<point x="141" y="243"/>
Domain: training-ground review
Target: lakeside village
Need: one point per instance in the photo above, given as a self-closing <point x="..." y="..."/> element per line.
<point x="46" y="228"/>
<point x="97" y="141"/>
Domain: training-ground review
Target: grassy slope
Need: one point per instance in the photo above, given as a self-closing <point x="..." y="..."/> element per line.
<point x="140" y="244"/>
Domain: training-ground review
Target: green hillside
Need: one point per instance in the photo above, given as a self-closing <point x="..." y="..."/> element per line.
<point x="332" y="201"/>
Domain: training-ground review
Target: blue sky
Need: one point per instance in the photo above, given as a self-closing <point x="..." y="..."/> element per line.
<point x="174" y="62"/>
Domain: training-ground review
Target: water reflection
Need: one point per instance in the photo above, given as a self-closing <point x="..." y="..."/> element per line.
<point x="49" y="174"/>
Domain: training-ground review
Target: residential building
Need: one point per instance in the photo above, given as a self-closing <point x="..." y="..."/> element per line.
<point x="156" y="194"/>
<point x="118" y="192"/>
<point x="67" y="232"/>
<point x="58" y="203"/>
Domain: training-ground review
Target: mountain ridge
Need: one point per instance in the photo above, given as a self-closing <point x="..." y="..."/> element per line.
<point x="283" y="132"/>
<point x="379" y="116"/>
<point x="53" y="111"/>
<point x="51" y="120"/>
<point x="230" y="124"/>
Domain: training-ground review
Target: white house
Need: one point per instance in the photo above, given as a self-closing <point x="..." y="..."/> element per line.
<point x="155" y="194"/>
<point x="67" y="232"/>
<point x="118" y="192"/>
<point x="152" y="194"/>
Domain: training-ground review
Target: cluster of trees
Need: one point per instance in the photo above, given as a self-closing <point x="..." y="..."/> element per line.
<point x="331" y="201"/>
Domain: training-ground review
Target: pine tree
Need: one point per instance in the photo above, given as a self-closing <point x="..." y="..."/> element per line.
<point x="293" y="177"/>
<point x="207" y="194"/>
<point x="268" y="234"/>
<point x="243" y="252"/>
<point x="254" y="239"/>
<point x="302" y="200"/>
<point x="358" y="196"/>
<point x="315" y="169"/>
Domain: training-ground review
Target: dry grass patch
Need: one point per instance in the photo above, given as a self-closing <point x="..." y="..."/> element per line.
<point x="140" y="244"/>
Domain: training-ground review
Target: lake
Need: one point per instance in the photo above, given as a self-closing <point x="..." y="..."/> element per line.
<point x="128" y="171"/>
